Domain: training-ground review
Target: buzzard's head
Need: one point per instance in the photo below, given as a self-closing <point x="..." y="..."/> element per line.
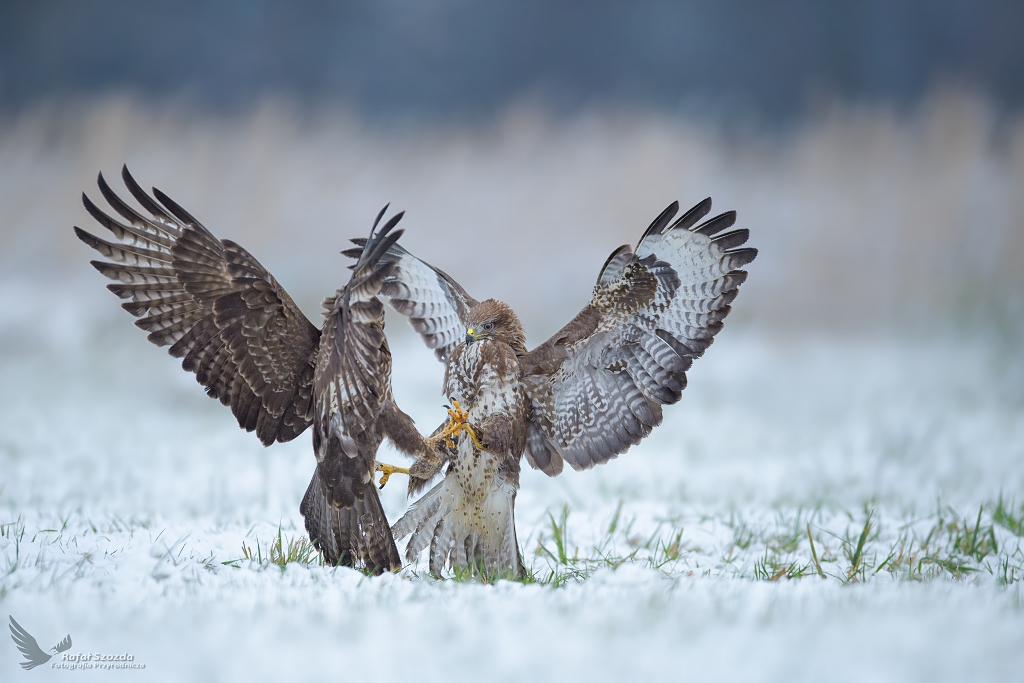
<point x="494" y="320"/>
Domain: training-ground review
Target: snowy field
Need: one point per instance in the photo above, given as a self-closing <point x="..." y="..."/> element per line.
<point x="127" y="497"/>
<point x="827" y="501"/>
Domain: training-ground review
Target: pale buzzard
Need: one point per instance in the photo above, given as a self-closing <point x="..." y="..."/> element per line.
<point x="584" y="396"/>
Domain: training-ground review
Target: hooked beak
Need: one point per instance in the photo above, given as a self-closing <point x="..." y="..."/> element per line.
<point x="471" y="335"/>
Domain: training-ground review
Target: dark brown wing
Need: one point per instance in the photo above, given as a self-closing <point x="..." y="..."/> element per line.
<point x="217" y="308"/>
<point x="436" y="305"/>
<point x="352" y="389"/>
<point x="352" y="384"/>
<point x="597" y="386"/>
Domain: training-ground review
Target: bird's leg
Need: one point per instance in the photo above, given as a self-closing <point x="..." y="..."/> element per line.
<point x="388" y="470"/>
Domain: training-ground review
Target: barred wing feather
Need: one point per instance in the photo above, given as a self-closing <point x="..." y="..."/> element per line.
<point x="214" y="305"/>
<point x="598" y="385"/>
<point x="353" y="376"/>
<point x="352" y="385"/>
<point x="436" y="305"/>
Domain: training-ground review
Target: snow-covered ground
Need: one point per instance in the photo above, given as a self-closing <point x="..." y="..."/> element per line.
<point x="127" y="497"/>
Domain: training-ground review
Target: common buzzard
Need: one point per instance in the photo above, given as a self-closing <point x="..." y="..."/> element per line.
<point x="584" y="396"/>
<point x="251" y="347"/>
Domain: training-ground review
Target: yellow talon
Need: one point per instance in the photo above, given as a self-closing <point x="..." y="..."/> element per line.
<point x="458" y="422"/>
<point x="457" y="414"/>
<point x="464" y="427"/>
<point x="388" y="470"/>
<point x="449" y="430"/>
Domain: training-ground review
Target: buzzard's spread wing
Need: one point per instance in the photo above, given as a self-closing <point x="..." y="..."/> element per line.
<point x="352" y="386"/>
<point x="436" y="305"/>
<point x="216" y="307"/>
<point x="597" y="386"/>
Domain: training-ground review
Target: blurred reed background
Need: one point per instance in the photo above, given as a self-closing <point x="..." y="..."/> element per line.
<point x="876" y="152"/>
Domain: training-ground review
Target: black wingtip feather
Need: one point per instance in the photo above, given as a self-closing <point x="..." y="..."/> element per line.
<point x="658" y="226"/>
<point x="382" y="247"/>
<point x="87" y="237"/>
<point x="690" y="218"/>
<point x="107" y="269"/>
<point x="371" y="244"/>
<point x="717" y="224"/>
<point x="119" y="290"/>
<point x="178" y="212"/>
<point x="732" y="239"/>
<point x="379" y="216"/>
<point x="118" y="204"/>
<point x="380" y="241"/>
<point x="98" y="214"/>
<point x="140" y="195"/>
<point x="105" y="190"/>
<point x="391" y="224"/>
<point x="741" y="257"/>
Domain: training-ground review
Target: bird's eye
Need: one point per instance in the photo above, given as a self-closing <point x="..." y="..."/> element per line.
<point x="488" y="327"/>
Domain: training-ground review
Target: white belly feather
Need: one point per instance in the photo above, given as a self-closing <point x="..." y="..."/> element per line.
<point x="469" y="516"/>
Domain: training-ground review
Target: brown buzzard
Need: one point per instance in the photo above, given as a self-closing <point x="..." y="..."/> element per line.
<point x="251" y="347"/>
<point x="584" y="396"/>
